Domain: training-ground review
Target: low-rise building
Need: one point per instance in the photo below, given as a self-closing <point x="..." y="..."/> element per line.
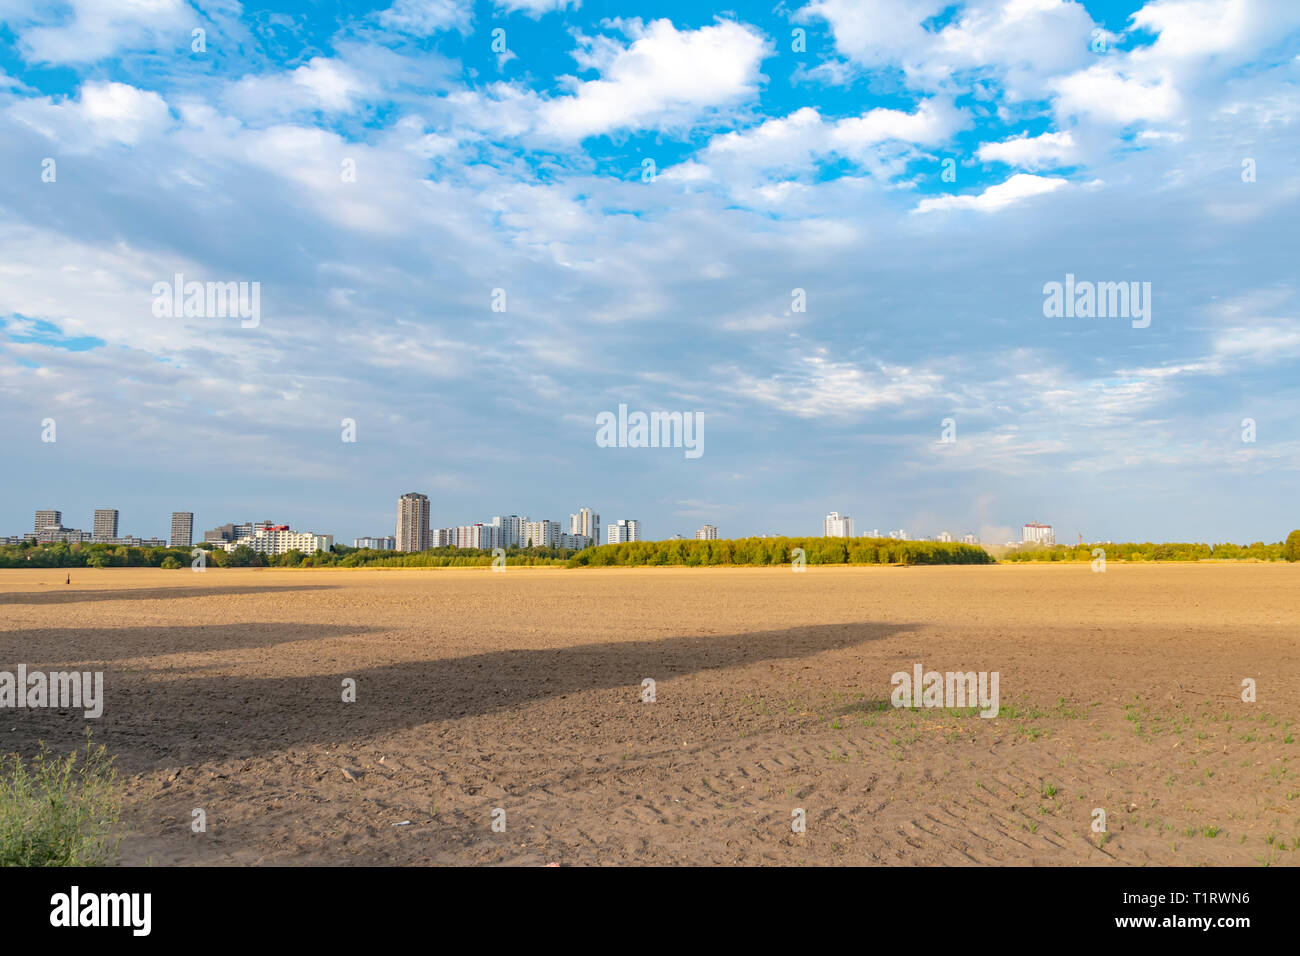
<point x="279" y="539"/>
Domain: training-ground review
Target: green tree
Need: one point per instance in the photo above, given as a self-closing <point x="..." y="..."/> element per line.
<point x="1291" y="550"/>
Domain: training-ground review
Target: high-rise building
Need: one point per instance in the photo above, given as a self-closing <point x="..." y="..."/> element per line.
<point x="625" y="529"/>
<point x="182" y="529"/>
<point x="586" y="522"/>
<point x="512" y="530"/>
<point x="708" y="533"/>
<point x="413" y="522"/>
<point x="1034" y="533"/>
<point x="48" y="519"/>
<point x="944" y="536"/>
<point x="969" y="538"/>
<point x="837" y="525"/>
<point x="541" y="534"/>
<point x="105" y="526"/>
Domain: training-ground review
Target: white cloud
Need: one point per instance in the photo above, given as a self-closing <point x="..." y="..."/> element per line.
<point x="102" y="112"/>
<point x="878" y="140"/>
<point x="1021" y="42"/>
<point x="426" y="17"/>
<point x="665" y="79"/>
<point x="1019" y="187"/>
<point x="320" y="84"/>
<point x="876" y="34"/>
<point x="1202" y="28"/>
<point x="815" y="386"/>
<point x="1107" y="93"/>
<point x="1037" y="152"/>
<point x="98" y="29"/>
<point x="934" y="122"/>
<point x="536" y="8"/>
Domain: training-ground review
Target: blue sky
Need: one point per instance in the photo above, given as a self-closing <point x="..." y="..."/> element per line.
<point x="796" y="145"/>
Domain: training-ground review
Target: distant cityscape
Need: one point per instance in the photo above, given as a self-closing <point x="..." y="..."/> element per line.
<point x="413" y="533"/>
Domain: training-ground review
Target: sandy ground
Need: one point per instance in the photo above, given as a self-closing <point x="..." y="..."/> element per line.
<point x="522" y="691"/>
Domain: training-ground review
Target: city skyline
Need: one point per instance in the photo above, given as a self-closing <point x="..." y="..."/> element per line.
<point x="516" y="531"/>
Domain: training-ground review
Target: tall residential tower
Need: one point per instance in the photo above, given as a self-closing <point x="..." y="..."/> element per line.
<point x="105" y="527"/>
<point x="413" y="522"/>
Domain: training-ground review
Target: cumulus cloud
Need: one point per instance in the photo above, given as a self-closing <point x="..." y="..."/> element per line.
<point x="1018" y="188"/>
<point x="665" y="78"/>
<point x="1030" y="152"/>
<point x="102" y="112"/>
<point x="95" y="29"/>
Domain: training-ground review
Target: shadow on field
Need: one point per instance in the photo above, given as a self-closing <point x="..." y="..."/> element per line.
<point x="60" y="596"/>
<point x="67" y="648"/>
<point x="192" y="718"/>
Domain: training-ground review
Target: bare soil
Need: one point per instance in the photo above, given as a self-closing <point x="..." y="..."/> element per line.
<point x="522" y="691"/>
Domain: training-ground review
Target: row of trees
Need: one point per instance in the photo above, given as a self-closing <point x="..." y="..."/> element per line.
<point x="1288" y="550"/>
<point x="30" y="555"/>
<point x="758" y="551"/>
<point x="739" y="551"/>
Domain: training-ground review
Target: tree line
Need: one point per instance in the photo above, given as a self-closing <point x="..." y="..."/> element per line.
<point x="99" y="555"/>
<point x="687" y="553"/>
<point x="770" y="551"/>
<point x="1288" y="550"/>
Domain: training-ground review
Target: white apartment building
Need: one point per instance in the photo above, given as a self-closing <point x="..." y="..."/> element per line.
<point x="837" y="525"/>
<point x="969" y="538"/>
<point x="412" y="522"/>
<point x="575" y="542"/>
<point x="381" y="543"/>
<point x="624" y="530"/>
<point x="48" y="519"/>
<point x="899" y="535"/>
<point x="484" y="537"/>
<point x="708" y="533"/>
<point x="278" y="539"/>
<point x="586" y="522"/>
<point x="541" y="534"/>
<point x="944" y="536"/>
<point x="1034" y="533"/>
<point x="512" y="529"/>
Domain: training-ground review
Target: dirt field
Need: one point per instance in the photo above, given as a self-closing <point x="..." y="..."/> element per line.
<point x="522" y="691"/>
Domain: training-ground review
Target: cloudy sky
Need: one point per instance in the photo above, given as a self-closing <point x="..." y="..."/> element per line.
<point x="649" y="184"/>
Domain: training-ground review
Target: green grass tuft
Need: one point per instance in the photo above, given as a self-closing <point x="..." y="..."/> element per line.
<point x="59" y="810"/>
